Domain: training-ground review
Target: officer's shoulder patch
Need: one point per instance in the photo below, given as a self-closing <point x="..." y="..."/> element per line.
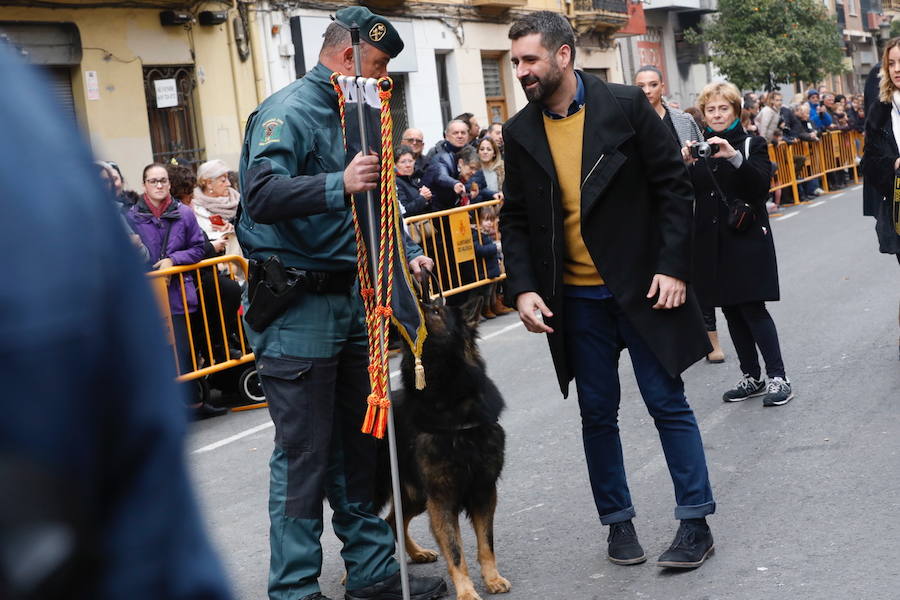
<point x="271" y="131"/>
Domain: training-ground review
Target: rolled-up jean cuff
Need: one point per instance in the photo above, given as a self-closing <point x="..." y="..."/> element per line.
<point x="618" y="516"/>
<point x="697" y="511"/>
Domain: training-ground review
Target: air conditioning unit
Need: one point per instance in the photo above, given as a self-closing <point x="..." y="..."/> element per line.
<point x="212" y="17"/>
<point x="169" y="18"/>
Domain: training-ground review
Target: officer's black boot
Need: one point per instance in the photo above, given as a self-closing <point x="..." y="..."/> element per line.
<point x="420" y="588"/>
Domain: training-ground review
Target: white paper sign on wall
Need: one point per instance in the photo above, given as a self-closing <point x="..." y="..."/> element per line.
<point x="166" y="93"/>
<point x="92" y="83"/>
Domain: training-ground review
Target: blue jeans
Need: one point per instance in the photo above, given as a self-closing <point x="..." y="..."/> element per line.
<point x="596" y="332"/>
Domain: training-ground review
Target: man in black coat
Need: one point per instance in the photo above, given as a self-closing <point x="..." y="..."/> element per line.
<point x="596" y="234"/>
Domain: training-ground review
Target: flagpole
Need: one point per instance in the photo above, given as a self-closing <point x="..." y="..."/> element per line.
<point x="372" y="234"/>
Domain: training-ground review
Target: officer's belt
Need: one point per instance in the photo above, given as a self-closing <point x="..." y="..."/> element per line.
<point x="322" y="282"/>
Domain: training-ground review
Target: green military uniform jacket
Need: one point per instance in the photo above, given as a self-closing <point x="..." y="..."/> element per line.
<point x="294" y="206"/>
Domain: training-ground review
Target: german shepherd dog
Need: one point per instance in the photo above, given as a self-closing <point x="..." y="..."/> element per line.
<point x="450" y="445"/>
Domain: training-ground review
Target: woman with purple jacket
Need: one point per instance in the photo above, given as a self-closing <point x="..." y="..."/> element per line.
<point x="173" y="237"/>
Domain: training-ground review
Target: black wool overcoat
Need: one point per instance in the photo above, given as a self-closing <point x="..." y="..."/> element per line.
<point x="732" y="267"/>
<point x="636" y="202"/>
<point x="879" y="156"/>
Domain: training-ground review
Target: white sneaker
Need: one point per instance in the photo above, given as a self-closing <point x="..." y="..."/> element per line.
<point x="818" y="191"/>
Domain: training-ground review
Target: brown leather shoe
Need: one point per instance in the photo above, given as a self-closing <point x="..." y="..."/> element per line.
<point x="487" y="313"/>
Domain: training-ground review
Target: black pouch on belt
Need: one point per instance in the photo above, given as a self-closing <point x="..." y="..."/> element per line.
<point x="271" y="293"/>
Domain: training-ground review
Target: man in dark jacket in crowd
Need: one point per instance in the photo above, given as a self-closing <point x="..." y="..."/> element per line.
<point x="456" y="135"/>
<point x="596" y="234"/>
<point x="442" y="176"/>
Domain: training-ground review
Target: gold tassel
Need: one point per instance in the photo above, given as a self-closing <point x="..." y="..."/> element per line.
<point x="420" y="374"/>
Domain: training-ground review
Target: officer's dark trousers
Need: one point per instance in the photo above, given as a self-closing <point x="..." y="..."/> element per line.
<point x="596" y="332"/>
<point x="318" y="405"/>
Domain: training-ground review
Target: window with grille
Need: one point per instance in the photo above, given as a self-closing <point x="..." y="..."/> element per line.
<point x="173" y="130"/>
<point x="492" y="73"/>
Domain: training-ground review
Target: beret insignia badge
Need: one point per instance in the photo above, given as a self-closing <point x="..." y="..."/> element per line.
<point x="377" y="32"/>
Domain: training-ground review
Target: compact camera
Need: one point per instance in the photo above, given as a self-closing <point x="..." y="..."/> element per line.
<point x="704" y="150"/>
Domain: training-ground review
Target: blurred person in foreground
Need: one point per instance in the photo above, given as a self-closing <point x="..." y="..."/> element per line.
<point x="734" y="262"/>
<point x="96" y="502"/>
<point x="596" y="227"/>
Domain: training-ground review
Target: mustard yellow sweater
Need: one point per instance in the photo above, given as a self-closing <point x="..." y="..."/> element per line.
<point x="565" y="138"/>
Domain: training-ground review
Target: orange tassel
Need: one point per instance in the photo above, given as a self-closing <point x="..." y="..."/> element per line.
<point x="381" y="423"/>
<point x="369" y="421"/>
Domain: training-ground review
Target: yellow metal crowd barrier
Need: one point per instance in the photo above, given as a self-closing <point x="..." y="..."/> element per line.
<point x="801" y="161"/>
<point x="449" y="238"/>
<point x="209" y="322"/>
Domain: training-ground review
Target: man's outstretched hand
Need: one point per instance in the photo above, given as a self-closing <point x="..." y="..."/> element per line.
<point x="532" y="310"/>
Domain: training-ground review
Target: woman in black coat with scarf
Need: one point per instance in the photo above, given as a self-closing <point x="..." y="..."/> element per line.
<point x="735" y="267"/>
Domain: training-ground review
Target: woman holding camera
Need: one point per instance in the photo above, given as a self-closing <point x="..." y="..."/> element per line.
<point x="734" y="254"/>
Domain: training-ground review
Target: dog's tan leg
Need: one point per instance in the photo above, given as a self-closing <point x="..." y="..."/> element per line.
<point x="483" y="522"/>
<point x="417" y="553"/>
<point x="445" y="527"/>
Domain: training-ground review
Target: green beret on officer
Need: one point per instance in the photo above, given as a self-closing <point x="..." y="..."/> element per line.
<point x="373" y="29"/>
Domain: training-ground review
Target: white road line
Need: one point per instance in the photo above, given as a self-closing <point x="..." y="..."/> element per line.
<point x="526" y="509"/>
<point x="266" y="425"/>
<point x="815" y="204"/>
<point x="234" y="438"/>
<point x="787" y="216"/>
<point x="502" y="331"/>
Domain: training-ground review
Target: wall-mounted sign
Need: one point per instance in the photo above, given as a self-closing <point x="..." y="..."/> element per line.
<point x="166" y="93"/>
<point x="92" y="85"/>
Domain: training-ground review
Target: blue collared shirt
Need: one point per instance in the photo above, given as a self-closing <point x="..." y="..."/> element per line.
<point x="577" y="103"/>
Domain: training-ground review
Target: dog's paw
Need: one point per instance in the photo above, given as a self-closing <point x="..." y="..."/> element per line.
<point x="498" y="585"/>
<point x="423" y="555"/>
<point x="467" y="595"/>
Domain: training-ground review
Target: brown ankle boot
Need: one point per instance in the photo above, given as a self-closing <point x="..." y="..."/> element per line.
<point x="487" y="313"/>
<point x="716" y="356"/>
<point x="499" y="308"/>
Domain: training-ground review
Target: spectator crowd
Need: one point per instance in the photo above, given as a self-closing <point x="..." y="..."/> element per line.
<point x="186" y="213"/>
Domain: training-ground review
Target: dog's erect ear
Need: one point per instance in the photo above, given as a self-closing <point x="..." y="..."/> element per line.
<point x="471" y="310"/>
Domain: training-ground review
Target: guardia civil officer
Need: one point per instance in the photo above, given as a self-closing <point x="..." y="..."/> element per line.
<point x="312" y="353"/>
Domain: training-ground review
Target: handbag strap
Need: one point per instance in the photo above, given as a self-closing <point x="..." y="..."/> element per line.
<point x="712" y="175"/>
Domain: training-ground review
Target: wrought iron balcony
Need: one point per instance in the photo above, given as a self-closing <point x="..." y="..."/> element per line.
<point x="603" y="16"/>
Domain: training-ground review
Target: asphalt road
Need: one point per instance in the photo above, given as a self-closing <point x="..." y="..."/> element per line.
<point x="808" y="494"/>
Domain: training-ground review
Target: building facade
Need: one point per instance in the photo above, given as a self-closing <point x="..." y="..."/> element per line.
<point x="664" y="46"/>
<point x="456" y="55"/>
<point x="156" y="80"/>
<point x="167" y="80"/>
